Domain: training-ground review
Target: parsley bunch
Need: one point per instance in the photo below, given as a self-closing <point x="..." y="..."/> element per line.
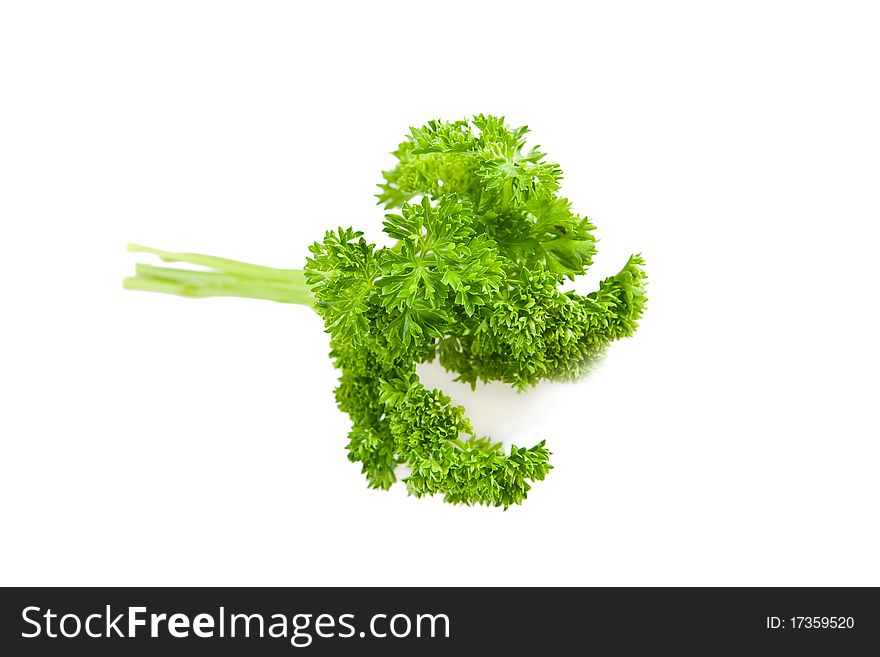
<point x="482" y="243"/>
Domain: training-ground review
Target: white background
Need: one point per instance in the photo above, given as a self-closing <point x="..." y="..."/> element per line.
<point x="149" y="439"/>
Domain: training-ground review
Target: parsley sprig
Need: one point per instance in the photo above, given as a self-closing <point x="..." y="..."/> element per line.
<point x="482" y="243"/>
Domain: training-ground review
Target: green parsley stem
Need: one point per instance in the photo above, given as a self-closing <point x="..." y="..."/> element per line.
<point x="224" y="278"/>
